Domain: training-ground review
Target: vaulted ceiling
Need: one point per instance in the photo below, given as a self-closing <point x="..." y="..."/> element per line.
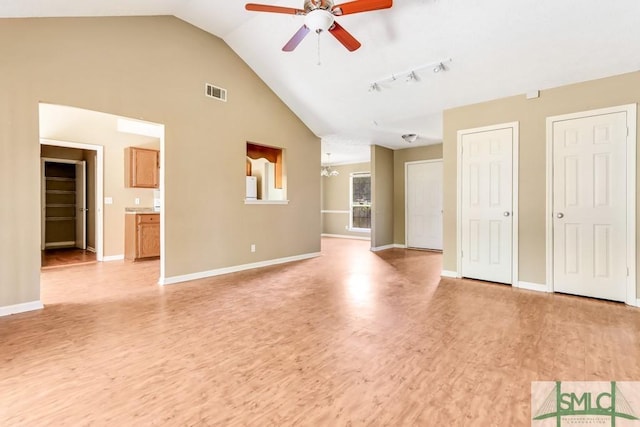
<point x="490" y="49"/>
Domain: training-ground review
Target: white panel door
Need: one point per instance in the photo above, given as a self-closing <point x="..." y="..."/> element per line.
<point x="81" y="205"/>
<point x="486" y="208"/>
<point x="589" y="206"/>
<point x="424" y="205"/>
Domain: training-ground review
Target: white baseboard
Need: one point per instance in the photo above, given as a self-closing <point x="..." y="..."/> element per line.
<point x="90" y="249"/>
<point x="382" y="248"/>
<point x="113" y="258"/>
<point x="638" y="302"/>
<point x="345" y="236"/>
<point x="399" y="246"/>
<point x="52" y="245"/>
<point x="449" y="273"/>
<point x="21" y="308"/>
<point x="226" y="270"/>
<point x="532" y="286"/>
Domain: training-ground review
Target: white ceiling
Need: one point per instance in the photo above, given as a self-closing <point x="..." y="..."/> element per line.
<point x="497" y="48"/>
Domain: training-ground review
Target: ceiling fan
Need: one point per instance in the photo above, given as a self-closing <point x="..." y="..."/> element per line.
<point x="319" y="17"/>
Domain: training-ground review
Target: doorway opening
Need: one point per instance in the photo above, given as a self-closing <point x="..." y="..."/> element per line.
<point x="101" y="140"/>
<point x="68" y="194"/>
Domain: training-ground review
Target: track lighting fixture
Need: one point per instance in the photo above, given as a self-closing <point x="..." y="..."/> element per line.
<point x="408" y="76"/>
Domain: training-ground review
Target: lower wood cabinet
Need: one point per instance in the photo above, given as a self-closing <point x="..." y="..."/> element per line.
<point x="142" y="236"/>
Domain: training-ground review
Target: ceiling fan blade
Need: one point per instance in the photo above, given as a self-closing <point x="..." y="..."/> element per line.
<point x="274" y="9"/>
<point x="344" y="37"/>
<point x="296" y="39"/>
<point x="360" y="6"/>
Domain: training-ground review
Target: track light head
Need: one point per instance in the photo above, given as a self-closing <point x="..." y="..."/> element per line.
<point x="411" y="77"/>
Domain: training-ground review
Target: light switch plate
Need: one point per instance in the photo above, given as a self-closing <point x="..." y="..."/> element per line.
<point x="108" y="200"/>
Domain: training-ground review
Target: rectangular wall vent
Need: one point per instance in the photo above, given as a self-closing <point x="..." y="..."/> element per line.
<point x="215" y="92"/>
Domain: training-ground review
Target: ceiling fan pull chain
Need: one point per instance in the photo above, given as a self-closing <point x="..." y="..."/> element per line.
<point x="319" y="63"/>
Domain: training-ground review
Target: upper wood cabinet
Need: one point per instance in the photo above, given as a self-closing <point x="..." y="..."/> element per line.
<point x="141" y="167"/>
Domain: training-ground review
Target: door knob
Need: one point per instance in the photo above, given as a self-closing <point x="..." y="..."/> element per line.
<point x="560" y="215"/>
<point x="506" y="213"/>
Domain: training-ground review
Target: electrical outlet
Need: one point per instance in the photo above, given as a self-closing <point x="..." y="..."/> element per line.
<point x="253" y="247"/>
<point x="137" y="201"/>
<point x="108" y="200"/>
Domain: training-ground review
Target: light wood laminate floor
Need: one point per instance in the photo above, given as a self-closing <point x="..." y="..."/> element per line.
<point x="52" y="258"/>
<point x="348" y="338"/>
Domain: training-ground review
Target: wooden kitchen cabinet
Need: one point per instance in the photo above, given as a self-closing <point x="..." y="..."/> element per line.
<point x="141" y="167"/>
<point x="142" y="236"/>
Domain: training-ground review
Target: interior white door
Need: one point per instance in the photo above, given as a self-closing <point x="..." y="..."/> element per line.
<point x="424" y="205"/>
<point x="81" y="205"/>
<point x="589" y="206"/>
<point x="486" y="208"/>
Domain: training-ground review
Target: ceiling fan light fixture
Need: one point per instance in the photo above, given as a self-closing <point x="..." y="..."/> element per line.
<point x="410" y="137"/>
<point x="318" y="20"/>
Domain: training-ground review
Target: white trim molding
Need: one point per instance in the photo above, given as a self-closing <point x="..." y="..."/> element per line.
<point x="383" y="248"/>
<point x="233" y="269"/>
<point x="400" y="246"/>
<point x="530" y="286"/>
<point x="631" y="171"/>
<point x="345" y="236"/>
<point x="8" y="310"/>
<point x="335" y="211"/>
<point x="67" y="244"/>
<point x="449" y="273"/>
<point x="113" y="258"/>
<point x="515" y="159"/>
<point x="265" y="202"/>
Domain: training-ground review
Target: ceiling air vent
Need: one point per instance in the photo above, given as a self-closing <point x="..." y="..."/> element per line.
<point x="215" y="92"/>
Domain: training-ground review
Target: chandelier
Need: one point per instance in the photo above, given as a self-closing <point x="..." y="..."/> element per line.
<point x="328" y="170"/>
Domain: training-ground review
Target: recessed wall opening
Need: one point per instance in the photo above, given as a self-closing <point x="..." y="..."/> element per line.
<point x="265" y="176"/>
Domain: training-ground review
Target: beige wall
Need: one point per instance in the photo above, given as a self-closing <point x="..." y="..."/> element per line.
<point x="531" y="114"/>
<point x="382" y="196"/>
<point x="335" y="197"/>
<point x="153" y="68"/>
<point x="400" y="157"/>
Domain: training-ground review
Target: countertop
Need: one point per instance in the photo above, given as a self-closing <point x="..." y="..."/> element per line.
<point x="140" y="210"/>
